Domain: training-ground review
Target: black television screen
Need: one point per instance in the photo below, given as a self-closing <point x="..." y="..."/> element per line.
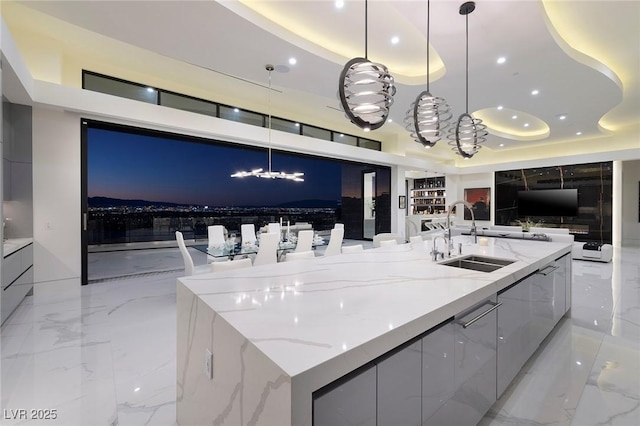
<point x="548" y="202"/>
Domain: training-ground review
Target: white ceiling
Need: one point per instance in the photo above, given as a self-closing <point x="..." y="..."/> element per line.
<point x="582" y="56"/>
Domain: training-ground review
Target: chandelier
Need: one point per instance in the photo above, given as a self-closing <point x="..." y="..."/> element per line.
<point x="366" y="89"/>
<point x="270" y="174"/>
<point x="428" y="116"/>
<point x="469" y="133"/>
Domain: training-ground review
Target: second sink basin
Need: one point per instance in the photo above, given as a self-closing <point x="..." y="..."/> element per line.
<point x="478" y="263"/>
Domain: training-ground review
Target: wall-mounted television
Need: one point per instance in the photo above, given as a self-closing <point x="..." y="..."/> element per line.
<point x="548" y="202"/>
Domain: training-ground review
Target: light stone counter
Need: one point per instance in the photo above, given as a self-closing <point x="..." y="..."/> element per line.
<point x="279" y="332"/>
<point x="12" y="245"/>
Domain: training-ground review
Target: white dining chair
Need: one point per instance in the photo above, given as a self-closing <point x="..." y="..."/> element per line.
<point x="386" y="236"/>
<point x="216" y="235"/>
<point x="388" y="243"/>
<point x="268" y="249"/>
<point x="189" y="268"/>
<point x="335" y="242"/>
<point x="305" y="241"/>
<point x="274" y="228"/>
<point x="416" y="239"/>
<point x="338" y="226"/>
<point x="299" y="255"/>
<point x="352" y="249"/>
<point x="248" y="233"/>
<point x="230" y="265"/>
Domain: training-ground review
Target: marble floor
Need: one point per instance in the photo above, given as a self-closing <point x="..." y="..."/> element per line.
<point x="104" y="354"/>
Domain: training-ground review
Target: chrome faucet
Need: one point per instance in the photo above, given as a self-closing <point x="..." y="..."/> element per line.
<point x="435" y="252"/>
<point x="474" y="230"/>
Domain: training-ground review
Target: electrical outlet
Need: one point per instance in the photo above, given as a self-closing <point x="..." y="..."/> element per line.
<point x="208" y="364"/>
<point x="48" y="226"/>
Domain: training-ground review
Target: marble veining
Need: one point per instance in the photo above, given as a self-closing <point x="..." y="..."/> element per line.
<point x="62" y="349"/>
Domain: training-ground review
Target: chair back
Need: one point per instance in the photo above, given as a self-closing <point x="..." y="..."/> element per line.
<point x="248" y="232"/>
<point x="268" y="249"/>
<point x="216" y="235"/>
<point x="387" y="243"/>
<point x="561" y="238"/>
<point x="416" y="239"/>
<point x="305" y="241"/>
<point x="299" y="255"/>
<point x="274" y="228"/>
<point x="386" y="236"/>
<point x="232" y="264"/>
<point x="537" y="230"/>
<point x="338" y="226"/>
<point x="335" y="242"/>
<point x="186" y="257"/>
<point x="352" y="249"/>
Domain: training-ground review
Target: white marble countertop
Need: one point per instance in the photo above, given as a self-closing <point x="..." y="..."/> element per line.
<point x="322" y="318"/>
<point x="12" y="245"/>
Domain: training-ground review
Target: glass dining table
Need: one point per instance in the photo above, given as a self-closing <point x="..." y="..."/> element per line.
<point x="230" y="251"/>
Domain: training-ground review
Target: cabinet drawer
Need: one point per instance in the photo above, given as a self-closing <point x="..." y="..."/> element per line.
<point x="13" y="295"/>
<point x="11" y="268"/>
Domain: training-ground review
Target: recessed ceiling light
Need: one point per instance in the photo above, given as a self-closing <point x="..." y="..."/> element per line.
<point x="562" y="117"/>
<point x="501" y="60"/>
<point x="339" y="4"/>
<point x="500" y="107"/>
<point x="367" y="129"/>
<point x="526" y="124"/>
<point x="578" y="133"/>
<point x="535" y="92"/>
<point x="390" y="120"/>
<point x="514" y="117"/>
<point x="395" y="40"/>
<point x="297" y="124"/>
<point x="342" y="135"/>
<point x="293" y="61"/>
<point x="150" y="89"/>
<point x="236" y="110"/>
<point x="501" y="144"/>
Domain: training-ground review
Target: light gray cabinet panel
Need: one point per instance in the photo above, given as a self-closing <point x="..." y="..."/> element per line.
<point x="13" y="295"/>
<point x="438" y="380"/>
<point x="559" y="290"/>
<point x="568" y="280"/>
<point x="351" y="403"/>
<point x="474" y="367"/>
<point x="514" y="343"/>
<point x="400" y="387"/>
<point x="541" y="304"/>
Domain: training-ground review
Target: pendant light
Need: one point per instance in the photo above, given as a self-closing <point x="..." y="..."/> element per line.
<point x="366" y="89"/>
<point x="428" y="116"/>
<point x="469" y="133"/>
<point x="296" y="177"/>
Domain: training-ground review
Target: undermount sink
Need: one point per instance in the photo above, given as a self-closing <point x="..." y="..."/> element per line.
<point x="478" y="263"/>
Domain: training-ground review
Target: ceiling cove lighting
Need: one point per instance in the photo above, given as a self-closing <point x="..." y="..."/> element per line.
<point x="428" y="116"/>
<point x="469" y="133"/>
<point x="260" y="173"/>
<point x="366" y="89"/>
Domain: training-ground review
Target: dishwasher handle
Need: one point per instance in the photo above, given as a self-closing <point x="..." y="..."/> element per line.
<point x="493" y="307"/>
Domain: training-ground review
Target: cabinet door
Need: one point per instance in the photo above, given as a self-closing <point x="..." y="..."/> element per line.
<point x="474" y="367"/>
<point x="514" y="347"/>
<point x="438" y="380"/>
<point x="399" y="387"/>
<point x="542" y="304"/>
<point x="559" y="290"/>
<point x="351" y="403"/>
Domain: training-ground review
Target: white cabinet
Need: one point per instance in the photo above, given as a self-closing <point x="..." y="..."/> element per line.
<point x="400" y="387"/>
<point x="563" y="280"/>
<point x="17" y="279"/>
<point x="352" y="402"/>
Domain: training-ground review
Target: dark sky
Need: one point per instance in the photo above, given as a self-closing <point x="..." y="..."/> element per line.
<point x="130" y="166"/>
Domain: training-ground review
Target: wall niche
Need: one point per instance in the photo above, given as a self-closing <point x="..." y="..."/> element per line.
<point x="594" y="182"/>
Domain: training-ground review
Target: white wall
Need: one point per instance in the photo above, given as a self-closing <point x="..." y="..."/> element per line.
<point x="455" y="191"/>
<point x="56" y="195"/>
<point x="630" y="194"/>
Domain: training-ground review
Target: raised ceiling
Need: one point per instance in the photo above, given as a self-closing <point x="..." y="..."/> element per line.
<point x="582" y="58"/>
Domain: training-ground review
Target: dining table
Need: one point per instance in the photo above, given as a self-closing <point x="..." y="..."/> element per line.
<point x="231" y="250"/>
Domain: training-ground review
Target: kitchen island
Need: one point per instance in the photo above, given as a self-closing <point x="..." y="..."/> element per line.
<point x="288" y="344"/>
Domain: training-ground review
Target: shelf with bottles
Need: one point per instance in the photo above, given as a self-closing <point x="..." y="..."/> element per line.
<point x="428" y="195"/>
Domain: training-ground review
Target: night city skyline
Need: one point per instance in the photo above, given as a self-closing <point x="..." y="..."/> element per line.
<point x="132" y="166"/>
